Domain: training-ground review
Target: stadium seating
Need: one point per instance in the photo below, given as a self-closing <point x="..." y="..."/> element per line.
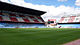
<point x="61" y="19"/>
<point x="5" y="16"/>
<point x="20" y="19"/>
<point x="13" y="19"/>
<point x="26" y="20"/>
<point x="0" y="18"/>
<point x="30" y="19"/>
<point x="77" y="19"/>
<point x="36" y="21"/>
<point x="70" y="19"/>
<point x="39" y="19"/>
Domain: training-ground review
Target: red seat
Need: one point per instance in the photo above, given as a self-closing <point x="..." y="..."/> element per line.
<point x="61" y="20"/>
<point x="36" y="21"/>
<point x="0" y="18"/>
<point x="26" y="20"/>
<point x="40" y="18"/>
<point x="13" y="19"/>
<point x="71" y="19"/>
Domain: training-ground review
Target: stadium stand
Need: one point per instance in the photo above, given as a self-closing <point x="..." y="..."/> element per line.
<point x="20" y="18"/>
<point x="70" y="21"/>
<point x="12" y="16"/>
<point x="65" y="22"/>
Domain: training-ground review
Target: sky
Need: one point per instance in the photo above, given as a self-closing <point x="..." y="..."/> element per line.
<point x="53" y="8"/>
<point x="53" y="2"/>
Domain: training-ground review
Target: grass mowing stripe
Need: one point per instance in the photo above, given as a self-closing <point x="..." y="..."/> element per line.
<point x="37" y="36"/>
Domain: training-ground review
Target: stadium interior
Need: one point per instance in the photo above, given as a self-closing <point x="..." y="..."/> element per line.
<point x="12" y="16"/>
<point x="25" y="26"/>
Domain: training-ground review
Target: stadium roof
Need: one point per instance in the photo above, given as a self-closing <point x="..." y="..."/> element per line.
<point x="15" y="8"/>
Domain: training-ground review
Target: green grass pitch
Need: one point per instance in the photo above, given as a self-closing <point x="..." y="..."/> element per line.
<point x="38" y="36"/>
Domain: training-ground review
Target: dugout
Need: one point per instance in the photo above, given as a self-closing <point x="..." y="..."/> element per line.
<point x="14" y="16"/>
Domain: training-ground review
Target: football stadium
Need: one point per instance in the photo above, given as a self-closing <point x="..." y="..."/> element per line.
<point x="25" y="26"/>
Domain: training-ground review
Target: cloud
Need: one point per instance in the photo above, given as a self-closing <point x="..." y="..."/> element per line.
<point x="60" y="11"/>
<point x="4" y="0"/>
<point x="77" y="2"/>
<point x="62" y="0"/>
<point x="52" y="11"/>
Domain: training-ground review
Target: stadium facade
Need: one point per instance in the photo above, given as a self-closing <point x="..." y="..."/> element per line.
<point x="13" y="16"/>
